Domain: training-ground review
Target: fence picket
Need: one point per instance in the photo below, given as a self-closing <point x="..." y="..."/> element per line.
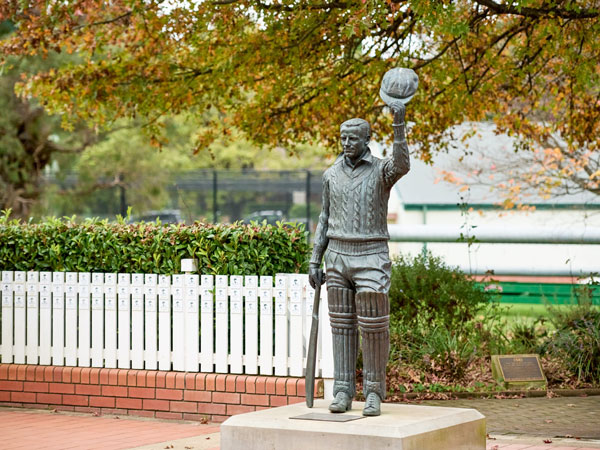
<point x="297" y="309"/>
<point x="85" y="303"/>
<point x="19" y="318"/>
<point x="221" y="324"/>
<point x="281" y="326"/>
<point x="192" y="322"/>
<point x="206" y="324"/>
<point x="137" y="321"/>
<point x="71" y="319"/>
<point x="31" y="293"/>
<point x="45" y="318"/>
<point x="97" y="351"/>
<point x="110" y="320"/>
<point x="265" y="360"/>
<point x="124" y="321"/>
<point x="326" y="344"/>
<point x="178" y="323"/>
<point x="251" y="318"/>
<point x="164" y="322"/>
<point x="150" y="323"/>
<point x="58" y="318"/>
<point x="236" y="327"/>
<point x="7" y="317"/>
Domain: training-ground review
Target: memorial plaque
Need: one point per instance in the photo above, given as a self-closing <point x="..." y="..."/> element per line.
<point x="518" y="369"/>
<point x="328" y="417"/>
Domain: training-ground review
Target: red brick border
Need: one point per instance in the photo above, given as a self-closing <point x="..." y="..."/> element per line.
<point x="150" y="393"/>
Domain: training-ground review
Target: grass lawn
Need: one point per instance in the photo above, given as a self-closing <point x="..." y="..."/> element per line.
<point x="528" y="312"/>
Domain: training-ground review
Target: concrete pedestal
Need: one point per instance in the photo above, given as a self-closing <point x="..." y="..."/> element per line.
<point x="400" y="426"/>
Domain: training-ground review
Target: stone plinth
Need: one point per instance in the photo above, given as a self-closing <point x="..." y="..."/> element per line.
<point x="400" y="426"/>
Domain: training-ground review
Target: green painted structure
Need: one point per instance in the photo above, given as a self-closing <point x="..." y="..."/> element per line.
<point x="542" y="293"/>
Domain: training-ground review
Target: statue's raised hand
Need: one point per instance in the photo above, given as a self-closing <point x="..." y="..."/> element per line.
<point x="399" y="110"/>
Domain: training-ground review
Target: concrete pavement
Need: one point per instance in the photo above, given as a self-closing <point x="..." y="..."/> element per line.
<point x="563" y="423"/>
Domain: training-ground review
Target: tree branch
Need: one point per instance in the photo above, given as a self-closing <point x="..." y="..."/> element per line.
<point x="104" y="22"/>
<point x="537" y="13"/>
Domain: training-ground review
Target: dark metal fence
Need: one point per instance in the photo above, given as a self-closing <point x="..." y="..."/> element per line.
<point x="209" y="195"/>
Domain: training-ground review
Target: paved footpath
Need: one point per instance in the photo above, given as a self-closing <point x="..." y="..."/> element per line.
<point x="37" y="429"/>
<point x="513" y="424"/>
<point x="566" y="422"/>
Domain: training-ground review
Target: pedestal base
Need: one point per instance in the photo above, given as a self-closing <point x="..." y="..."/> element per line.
<point x="400" y="426"/>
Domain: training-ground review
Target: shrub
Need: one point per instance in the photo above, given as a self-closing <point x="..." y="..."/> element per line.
<point x="424" y="286"/>
<point x="100" y="246"/>
<point x="576" y="341"/>
<point x="434" y="348"/>
<point x="525" y="337"/>
<point x="441" y="319"/>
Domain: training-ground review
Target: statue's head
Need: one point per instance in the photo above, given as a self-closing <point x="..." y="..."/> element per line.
<point x="355" y="135"/>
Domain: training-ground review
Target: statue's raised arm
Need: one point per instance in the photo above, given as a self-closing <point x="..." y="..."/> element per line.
<point x="397" y="88"/>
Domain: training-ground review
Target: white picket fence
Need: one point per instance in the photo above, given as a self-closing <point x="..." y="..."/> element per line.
<point x="145" y="321"/>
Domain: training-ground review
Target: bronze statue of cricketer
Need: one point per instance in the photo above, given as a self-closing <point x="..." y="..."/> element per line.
<point x="352" y="235"/>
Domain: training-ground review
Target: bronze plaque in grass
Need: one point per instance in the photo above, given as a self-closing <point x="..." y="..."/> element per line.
<point x="518" y="369"/>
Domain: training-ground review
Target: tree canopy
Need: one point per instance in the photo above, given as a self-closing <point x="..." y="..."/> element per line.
<point x="285" y="72"/>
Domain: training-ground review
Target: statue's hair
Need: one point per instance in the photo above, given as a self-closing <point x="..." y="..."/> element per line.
<point x="360" y="123"/>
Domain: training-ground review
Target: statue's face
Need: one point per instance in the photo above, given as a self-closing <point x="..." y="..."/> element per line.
<point x="354" y="141"/>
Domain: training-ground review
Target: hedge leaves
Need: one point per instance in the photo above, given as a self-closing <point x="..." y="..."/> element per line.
<point x="100" y="246"/>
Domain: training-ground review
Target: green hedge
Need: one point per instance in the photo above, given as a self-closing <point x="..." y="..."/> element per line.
<point x="100" y="246"/>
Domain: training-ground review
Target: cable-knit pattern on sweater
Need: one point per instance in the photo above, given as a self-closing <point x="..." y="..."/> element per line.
<point x="358" y="201"/>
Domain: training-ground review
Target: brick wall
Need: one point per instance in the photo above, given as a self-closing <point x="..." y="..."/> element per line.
<point x="147" y="393"/>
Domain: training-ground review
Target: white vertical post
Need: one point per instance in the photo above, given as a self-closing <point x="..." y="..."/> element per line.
<point x="97" y="320"/>
<point x="222" y="325"/>
<point x="32" y="290"/>
<point x="327" y="338"/>
<point x="45" y="318"/>
<point x="207" y="330"/>
<point x="178" y="323"/>
<point x="110" y="320"/>
<point x="297" y="309"/>
<point x="281" y="326"/>
<point x="164" y="322"/>
<point x="137" y="321"/>
<point x="236" y="327"/>
<point x="7" y="317"/>
<point x="19" y="323"/>
<point x="85" y="320"/>
<point x="192" y="322"/>
<point x="58" y="318"/>
<point x="71" y="318"/>
<point x="251" y="331"/>
<point x="150" y="322"/>
<point x="265" y="361"/>
<point x="124" y="305"/>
